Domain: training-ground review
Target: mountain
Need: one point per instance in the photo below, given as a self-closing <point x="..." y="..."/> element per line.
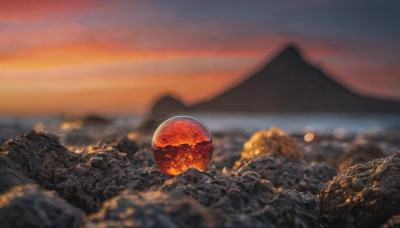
<point x="289" y="84"/>
<point x="168" y="103"/>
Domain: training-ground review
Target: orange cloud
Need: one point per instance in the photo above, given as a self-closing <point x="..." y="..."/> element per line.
<point x="82" y="53"/>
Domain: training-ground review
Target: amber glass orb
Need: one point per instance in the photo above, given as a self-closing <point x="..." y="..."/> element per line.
<point x="180" y="143"/>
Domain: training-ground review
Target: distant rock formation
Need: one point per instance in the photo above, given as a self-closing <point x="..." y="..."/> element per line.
<point x="288" y="83"/>
<point x="168" y="104"/>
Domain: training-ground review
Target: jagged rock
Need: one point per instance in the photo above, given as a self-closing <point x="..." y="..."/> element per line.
<point x="359" y="153"/>
<point x="85" y="180"/>
<point x="246" y="200"/>
<point x="29" y="206"/>
<point x="364" y="195"/>
<point x="121" y="143"/>
<point x="153" y="209"/>
<point x="289" y="173"/>
<point x="142" y="158"/>
<point x="147" y="178"/>
<point x="10" y="175"/>
<point x="38" y="155"/>
<point x="393" y="222"/>
<point x="100" y="174"/>
<point x="272" y="142"/>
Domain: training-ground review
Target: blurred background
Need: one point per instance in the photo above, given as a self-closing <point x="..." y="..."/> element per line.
<point x="314" y="65"/>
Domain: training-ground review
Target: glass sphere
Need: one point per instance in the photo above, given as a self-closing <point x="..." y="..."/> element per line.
<point x="180" y="143"/>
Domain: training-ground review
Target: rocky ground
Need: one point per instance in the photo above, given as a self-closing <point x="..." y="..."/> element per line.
<point x="88" y="173"/>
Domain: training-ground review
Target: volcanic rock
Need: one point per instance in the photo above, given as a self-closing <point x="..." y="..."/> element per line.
<point x="10" y="175"/>
<point x="100" y="174"/>
<point x="142" y="158"/>
<point x="393" y="222"/>
<point x="130" y="147"/>
<point x="359" y="153"/>
<point x="85" y="180"/>
<point x="289" y="173"/>
<point x="124" y="144"/>
<point x="38" y="156"/>
<point x="153" y="209"/>
<point x="268" y="142"/>
<point x="29" y="206"/>
<point x="364" y="195"/>
<point x="246" y="200"/>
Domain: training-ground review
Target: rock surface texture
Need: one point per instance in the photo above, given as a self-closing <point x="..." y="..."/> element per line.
<point x="30" y="206"/>
<point x="85" y="179"/>
<point x="114" y="183"/>
<point x="153" y="209"/>
<point x="364" y="195"/>
<point x="290" y="173"/>
<point x="246" y="200"/>
<point x="393" y="222"/>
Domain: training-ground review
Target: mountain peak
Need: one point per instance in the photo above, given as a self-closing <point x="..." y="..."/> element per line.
<point x="288" y="83"/>
<point x="168" y="103"/>
<point x="290" y="52"/>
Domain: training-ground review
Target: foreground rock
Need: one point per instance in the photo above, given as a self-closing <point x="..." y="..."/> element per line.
<point x="123" y="144"/>
<point x="10" y="175"/>
<point x="246" y="200"/>
<point x="393" y="222"/>
<point x="271" y="187"/>
<point x="364" y="195"/>
<point x="153" y="209"/>
<point x="85" y="180"/>
<point x="268" y="143"/>
<point x="29" y="206"/>
<point x="38" y="156"/>
<point x="359" y="153"/>
<point x="290" y="173"/>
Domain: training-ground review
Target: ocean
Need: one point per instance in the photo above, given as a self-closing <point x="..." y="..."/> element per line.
<point x="292" y="123"/>
<point x="299" y="123"/>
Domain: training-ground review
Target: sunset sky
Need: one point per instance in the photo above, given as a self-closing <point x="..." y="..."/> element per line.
<point x="116" y="57"/>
